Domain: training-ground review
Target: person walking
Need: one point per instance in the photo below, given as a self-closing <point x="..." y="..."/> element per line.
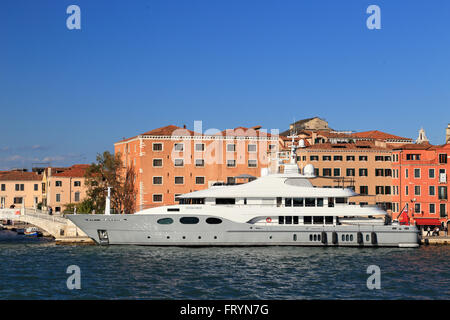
<point x="428" y="231"/>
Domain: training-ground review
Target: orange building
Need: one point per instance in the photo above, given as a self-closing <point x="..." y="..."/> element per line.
<point x="420" y="177"/>
<point x="171" y="160"/>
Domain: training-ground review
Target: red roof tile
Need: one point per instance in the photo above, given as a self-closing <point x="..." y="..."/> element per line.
<point x="19" y="176"/>
<point x="75" y="171"/>
<point x="378" y="135"/>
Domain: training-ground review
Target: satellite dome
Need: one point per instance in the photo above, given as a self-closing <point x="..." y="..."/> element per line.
<point x="308" y="170"/>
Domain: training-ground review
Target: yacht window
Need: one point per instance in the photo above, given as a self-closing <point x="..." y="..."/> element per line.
<point x="189" y="220"/>
<point x="318" y="237"/>
<point x="225" y="201"/>
<point x="318" y="220"/>
<point x="288" y="220"/>
<point x="288" y="202"/>
<point x="310" y="237"/>
<point x="330" y="202"/>
<point x="307" y="220"/>
<point x="320" y="202"/>
<point x="343" y="237"/>
<point x="213" y="221"/>
<point x="351" y="237"/>
<point x="329" y="220"/>
<point x="310" y="202"/>
<point x="298" y="202"/>
<point x="165" y="221"/>
<point x="315" y="237"/>
<point x="281" y="220"/>
<point x="198" y="200"/>
<point x="295" y="219"/>
<point x="341" y="200"/>
<point x="346" y="238"/>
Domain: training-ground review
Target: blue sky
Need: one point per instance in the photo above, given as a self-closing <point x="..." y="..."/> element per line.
<point x="66" y="95"/>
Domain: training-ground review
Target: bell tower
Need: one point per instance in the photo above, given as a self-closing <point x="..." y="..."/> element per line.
<point x="422" y="137"/>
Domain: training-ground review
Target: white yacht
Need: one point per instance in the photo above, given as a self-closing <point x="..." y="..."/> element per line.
<point x="275" y="209"/>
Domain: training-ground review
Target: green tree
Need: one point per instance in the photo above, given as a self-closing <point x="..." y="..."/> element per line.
<point x="109" y="171"/>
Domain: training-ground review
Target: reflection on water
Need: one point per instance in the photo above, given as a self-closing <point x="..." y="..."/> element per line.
<point x="36" y="269"/>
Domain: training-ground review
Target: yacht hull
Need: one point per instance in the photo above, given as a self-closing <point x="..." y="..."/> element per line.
<point x="144" y="229"/>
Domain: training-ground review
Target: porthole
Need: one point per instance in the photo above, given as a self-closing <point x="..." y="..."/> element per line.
<point x="215" y="237"/>
<point x="184" y="237"/>
<point x="168" y="237"/>
<point x="165" y="221"/>
<point x="189" y="220"/>
<point x="213" y="221"/>
<point x="199" y="237"/>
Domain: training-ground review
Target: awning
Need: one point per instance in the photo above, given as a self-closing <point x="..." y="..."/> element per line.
<point x="427" y="222"/>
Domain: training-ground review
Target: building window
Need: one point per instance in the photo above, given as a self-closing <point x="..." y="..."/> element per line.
<point x="77" y="183"/>
<point x="364" y="190"/>
<point x="350" y="172"/>
<point x="431" y="174"/>
<point x="314" y="158"/>
<point x="231" y="163"/>
<point x="58" y="183"/>
<point x="20" y="187"/>
<point x="417" y="190"/>
<point x="387" y="190"/>
<point x="58" y="197"/>
<point x="379" y="158"/>
<point x="443" y="158"/>
<point x="231" y="180"/>
<point x="417" y="208"/>
<point x="18" y="200"/>
<point x="176" y="197"/>
<point x="432" y="208"/>
<point x="326" y="158"/>
<point x="413" y="156"/>
<point x="431" y="191"/>
<point x="178" y="147"/>
<point x="363" y="172"/>
<point x="199" y="162"/>
<point x="199" y="180"/>
<point x="157" y="180"/>
<point x="379" y="190"/>
<point x="337" y="172"/>
<point x="3" y="187"/>
<point x="251" y="148"/>
<point x="36" y="187"/>
<point x="406" y="173"/>
<point x="178" y="162"/>
<point x="442" y="193"/>
<point x="416" y="173"/>
<point x="379" y="172"/>
<point x="179" y="180"/>
<point x="406" y="190"/>
<point x="326" y="172"/>
<point x="77" y="196"/>
<point x="199" y="147"/>
<point x="252" y="164"/>
<point x="362" y="158"/>
<point x="157" y="146"/>
<point x="157" y="198"/>
<point x="337" y="158"/>
<point x="350" y="158"/>
<point x="157" y="162"/>
<point x="231" y="147"/>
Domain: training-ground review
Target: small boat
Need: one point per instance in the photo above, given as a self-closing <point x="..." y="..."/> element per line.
<point x="33" y="231"/>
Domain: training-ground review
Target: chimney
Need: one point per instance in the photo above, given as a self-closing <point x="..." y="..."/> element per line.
<point x="184" y="126"/>
<point x="447" y="134"/>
